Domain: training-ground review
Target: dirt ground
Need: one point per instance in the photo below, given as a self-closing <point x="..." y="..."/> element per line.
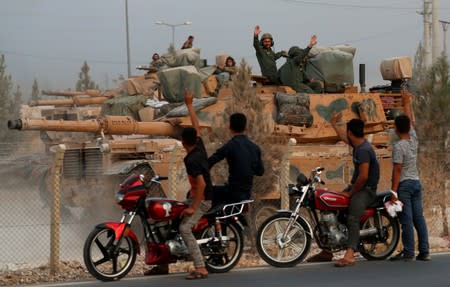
<point x="74" y="271"/>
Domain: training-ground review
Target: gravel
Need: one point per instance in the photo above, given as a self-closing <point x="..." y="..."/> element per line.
<point x="75" y="271"/>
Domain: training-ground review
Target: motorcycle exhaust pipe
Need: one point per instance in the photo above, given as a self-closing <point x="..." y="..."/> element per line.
<point x="368" y="232"/>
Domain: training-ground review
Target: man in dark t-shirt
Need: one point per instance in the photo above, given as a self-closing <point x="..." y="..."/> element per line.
<point x="361" y="191"/>
<point x="196" y="163"/>
<point x="199" y="196"/>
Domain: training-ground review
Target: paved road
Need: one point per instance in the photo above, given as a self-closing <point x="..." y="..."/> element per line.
<point x="364" y="273"/>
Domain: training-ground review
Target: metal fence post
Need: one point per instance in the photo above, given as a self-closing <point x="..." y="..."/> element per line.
<point x="173" y="170"/>
<point x="55" y="225"/>
<point x="284" y="176"/>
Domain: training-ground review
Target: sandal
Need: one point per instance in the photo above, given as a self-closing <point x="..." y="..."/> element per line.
<point x="194" y="275"/>
<point x="157" y="270"/>
<point x="344" y="263"/>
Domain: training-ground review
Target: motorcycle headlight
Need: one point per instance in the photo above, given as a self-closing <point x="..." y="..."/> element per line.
<point x="119" y="197"/>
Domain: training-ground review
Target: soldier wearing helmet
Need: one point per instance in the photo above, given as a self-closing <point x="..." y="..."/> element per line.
<point x="266" y="56"/>
<point x="292" y="72"/>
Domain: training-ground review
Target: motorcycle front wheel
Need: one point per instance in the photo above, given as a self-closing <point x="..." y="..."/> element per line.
<point x="383" y="244"/>
<point x="106" y="261"/>
<point x="222" y="256"/>
<point x="283" y="252"/>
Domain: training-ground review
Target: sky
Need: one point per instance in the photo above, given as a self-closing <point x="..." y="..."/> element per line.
<point x="49" y="40"/>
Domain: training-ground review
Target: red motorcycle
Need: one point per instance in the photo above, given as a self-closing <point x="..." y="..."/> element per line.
<point x="111" y="249"/>
<point x="285" y="238"/>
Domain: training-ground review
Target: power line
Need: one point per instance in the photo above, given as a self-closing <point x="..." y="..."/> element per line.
<point x="62" y="59"/>
<point x="356" y="6"/>
<point x="379" y="35"/>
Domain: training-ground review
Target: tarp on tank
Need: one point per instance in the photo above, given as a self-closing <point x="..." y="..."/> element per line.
<point x="124" y="106"/>
<point x="198" y="104"/>
<point x="293" y="109"/>
<point x="332" y="67"/>
<point x="184" y="57"/>
<point x="175" y="81"/>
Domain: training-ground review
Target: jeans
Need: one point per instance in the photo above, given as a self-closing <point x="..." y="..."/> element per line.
<point x="222" y="77"/>
<point x="358" y="204"/>
<point x="186" y="226"/>
<point x="410" y="193"/>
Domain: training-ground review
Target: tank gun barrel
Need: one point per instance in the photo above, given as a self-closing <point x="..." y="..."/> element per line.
<point x="114" y="125"/>
<point x="64" y="93"/>
<point x="75" y="101"/>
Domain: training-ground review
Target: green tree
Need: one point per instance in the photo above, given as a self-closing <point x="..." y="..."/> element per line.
<point x="431" y="109"/>
<point x="15" y="107"/>
<point x="16" y="103"/>
<point x="84" y="82"/>
<point x="432" y="104"/>
<point x="5" y="90"/>
<point x="35" y="91"/>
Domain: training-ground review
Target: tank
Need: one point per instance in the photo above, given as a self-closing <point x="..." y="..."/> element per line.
<point x="121" y="145"/>
<point x="88" y="173"/>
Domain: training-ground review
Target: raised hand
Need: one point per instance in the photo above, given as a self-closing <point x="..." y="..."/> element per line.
<point x="312" y="41"/>
<point x="257" y="30"/>
<point x="188" y="97"/>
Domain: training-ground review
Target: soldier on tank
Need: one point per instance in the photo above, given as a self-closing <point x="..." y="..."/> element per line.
<point x="266" y="56"/>
<point x="292" y="72"/>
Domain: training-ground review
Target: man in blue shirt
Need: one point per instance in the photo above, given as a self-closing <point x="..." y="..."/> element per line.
<point x="244" y="162"/>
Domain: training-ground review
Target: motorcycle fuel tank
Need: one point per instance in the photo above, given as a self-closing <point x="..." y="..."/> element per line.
<point x="164" y="209"/>
<point x="328" y="200"/>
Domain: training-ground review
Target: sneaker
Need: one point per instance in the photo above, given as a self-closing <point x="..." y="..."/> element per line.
<point x="402" y="256"/>
<point x="423" y="257"/>
<point x="322" y="256"/>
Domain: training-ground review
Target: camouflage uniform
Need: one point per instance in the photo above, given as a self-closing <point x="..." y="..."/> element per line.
<point x="267" y="60"/>
<point x="291" y="73"/>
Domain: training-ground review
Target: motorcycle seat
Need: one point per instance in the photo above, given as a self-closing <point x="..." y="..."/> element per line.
<point x="215" y="209"/>
<point x="381" y="198"/>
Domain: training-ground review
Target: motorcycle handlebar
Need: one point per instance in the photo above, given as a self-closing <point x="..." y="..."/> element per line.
<point x="155" y="179"/>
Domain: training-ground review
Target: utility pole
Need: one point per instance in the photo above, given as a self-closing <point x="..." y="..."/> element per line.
<point x="445" y="29"/>
<point x="435" y="31"/>
<point x="128" y="38"/>
<point x="426" y="41"/>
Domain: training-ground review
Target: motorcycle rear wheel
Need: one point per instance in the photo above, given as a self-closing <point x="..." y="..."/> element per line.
<point x="374" y="248"/>
<point x="221" y="257"/>
<point x="296" y="245"/>
<point x="98" y="257"/>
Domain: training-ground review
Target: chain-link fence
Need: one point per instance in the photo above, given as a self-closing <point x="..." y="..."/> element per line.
<point x="26" y="227"/>
<point x="25" y="205"/>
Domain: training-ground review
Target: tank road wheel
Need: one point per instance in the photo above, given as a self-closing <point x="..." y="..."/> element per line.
<point x="103" y="259"/>
<point x="374" y="248"/>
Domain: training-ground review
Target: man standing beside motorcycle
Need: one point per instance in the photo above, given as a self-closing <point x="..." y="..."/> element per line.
<point x="200" y="194"/>
<point x="406" y="182"/>
<point x="362" y="190"/>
